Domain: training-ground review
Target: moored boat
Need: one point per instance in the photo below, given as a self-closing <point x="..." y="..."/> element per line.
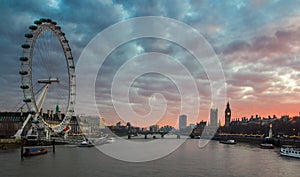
<point x="34" y="151"/>
<point x="110" y="139"/>
<point x="290" y="151"/>
<point x="267" y="146"/>
<point x="85" y="143"/>
<point x="230" y="141"/>
<point x="98" y="141"/>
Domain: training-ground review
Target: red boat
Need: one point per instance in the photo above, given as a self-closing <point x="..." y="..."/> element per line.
<point x="34" y="151"/>
<point x="267" y="146"/>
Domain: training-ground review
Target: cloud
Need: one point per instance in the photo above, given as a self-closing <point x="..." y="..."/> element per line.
<point x="257" y="43"/>
<point x="263" y="68"/>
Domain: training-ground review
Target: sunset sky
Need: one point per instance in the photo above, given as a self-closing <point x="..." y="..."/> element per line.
<point x="257" y="43"/>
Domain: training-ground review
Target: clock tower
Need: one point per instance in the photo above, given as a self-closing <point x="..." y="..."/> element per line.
<point x="227" y="114"/>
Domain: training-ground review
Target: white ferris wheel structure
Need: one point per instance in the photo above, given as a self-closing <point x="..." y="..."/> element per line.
<point x="47" y="69"/>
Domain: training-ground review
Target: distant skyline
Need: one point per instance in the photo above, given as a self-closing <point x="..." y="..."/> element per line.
<point x="257" y="43"/>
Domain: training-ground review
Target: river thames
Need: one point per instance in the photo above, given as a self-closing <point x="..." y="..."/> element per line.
<point x="214" y="159"/>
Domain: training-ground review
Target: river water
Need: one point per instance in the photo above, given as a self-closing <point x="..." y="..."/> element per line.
<point x="214" y="159"/>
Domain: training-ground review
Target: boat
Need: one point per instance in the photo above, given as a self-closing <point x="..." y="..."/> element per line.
<point x="290" y="151"/>
<point x="110" y="139"/>
<point x="31" y="137"/>
<point x="98" y="141"/>
<point x="34" y="151"/>
<point x="85" y="143"/>
<point x="230" y="141"/>
<point x="267" y="146"/>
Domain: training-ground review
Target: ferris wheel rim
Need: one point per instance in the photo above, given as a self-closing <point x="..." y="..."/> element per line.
<point x="41" y="26"/>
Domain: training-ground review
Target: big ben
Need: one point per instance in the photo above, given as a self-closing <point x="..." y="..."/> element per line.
<point x="227" y="115"/>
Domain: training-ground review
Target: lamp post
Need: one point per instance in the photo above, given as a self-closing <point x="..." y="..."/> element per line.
<point x="294" y="131"/>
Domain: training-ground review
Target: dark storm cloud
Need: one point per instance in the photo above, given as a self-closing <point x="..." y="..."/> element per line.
<point x="259" y="58"/>
<point x="79" y="20"/>
<point x="282" y="41"/>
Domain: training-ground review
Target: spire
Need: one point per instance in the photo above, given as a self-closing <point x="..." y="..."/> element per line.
<point x="270" y="131"/>
<point x="227" y="114"/>
<point x="57" y="109"/>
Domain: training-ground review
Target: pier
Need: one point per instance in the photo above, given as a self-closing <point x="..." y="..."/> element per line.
<point x="147" y="134"/>
<point x="257" y="139"/>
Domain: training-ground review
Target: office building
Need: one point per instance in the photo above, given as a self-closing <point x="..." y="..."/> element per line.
<point x="182" y="121"/>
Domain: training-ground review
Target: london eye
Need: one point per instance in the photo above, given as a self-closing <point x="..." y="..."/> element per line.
<point x="47" y="76"/>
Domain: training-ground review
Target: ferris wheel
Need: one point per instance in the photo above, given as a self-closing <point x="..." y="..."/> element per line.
<point x="47" y="68"/>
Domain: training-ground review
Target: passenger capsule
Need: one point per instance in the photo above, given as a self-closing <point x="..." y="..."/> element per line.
<point x="23" y="72"/>
<point x="24" y="87"/>
<point x="28" y="35"/>
<point x="53" y="23"/>
<point x="62" y="34"/>
<point x="37" y="22"/>
<point x="48" y="20"/>
<point x="32" y="27"/>
<point x="25" y="46"/>
<point x="65" y="41"/>
<point x="27" y="100"/>
<point x="58" y="28"/>
<point x="43" y="20"/>
<point x="23" y="59"/>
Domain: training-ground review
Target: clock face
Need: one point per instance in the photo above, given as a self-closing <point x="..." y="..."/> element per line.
<point x="228" y="113"/>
